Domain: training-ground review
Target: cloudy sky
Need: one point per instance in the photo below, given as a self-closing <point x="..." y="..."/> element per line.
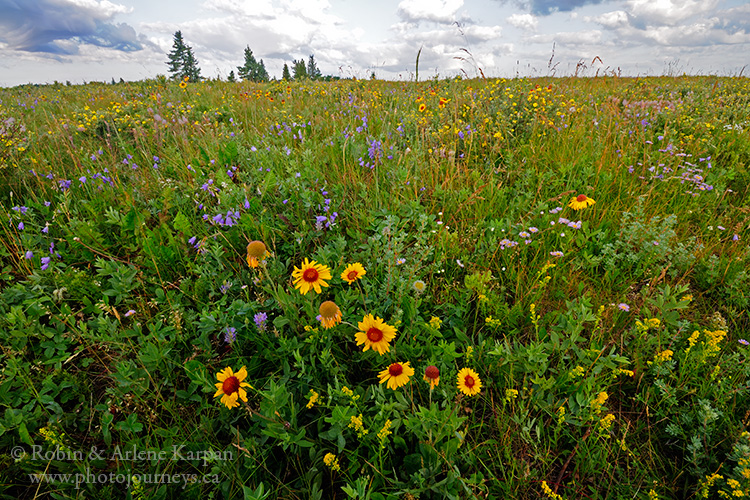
<point x="96" y="40"/>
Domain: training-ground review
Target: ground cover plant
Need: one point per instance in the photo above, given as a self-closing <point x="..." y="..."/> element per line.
<point x="489" y="288"/>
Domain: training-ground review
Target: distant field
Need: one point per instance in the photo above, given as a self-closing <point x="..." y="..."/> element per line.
<point x="455" y="289"/>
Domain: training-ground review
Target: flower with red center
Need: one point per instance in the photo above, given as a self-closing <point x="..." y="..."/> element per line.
<point x="397" y="375"/>
<point x="330" y="314"/>
<point x="469" y="382"/>
<point x="310" y="276"/>
<point x="580" y="202"/>
<point x="230" y="386"/>
<point x="256" y="252"/>
<point x="422" y="107"/>
<point x="432" y="375"/>
<point x="374" y="333"/>
<point x="353" y="272"/>
<point x="443" y="102"/>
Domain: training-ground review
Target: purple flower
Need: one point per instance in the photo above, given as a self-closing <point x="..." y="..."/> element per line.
<point x="29" y="255"/>
<point x="64" y="184"/>
<point x="47" y="203"/>
<point x="20" y="226"/>
<point x="45" y="229"/>
<point x="735" y="237"/>
<point x="230" y="334"/>
<point x="82" y="179"/>
<point x="45" y="262"/>
<point x="556" y="253"/>
<point x="192" y="240"/>
<point x="225" y="287"/>
<point x="260" y="321"/>
<point x="623" y="307"/>
<point x="743" y="342"/>
<point x="130" y="313"/>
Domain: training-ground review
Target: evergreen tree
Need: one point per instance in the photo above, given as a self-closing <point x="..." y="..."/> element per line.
<point x="313" y="72"/>
<point x="190" y="67"/>
<point x="299" y="69"/>
<point x="231" y="77"/>
<point x="181" y="61"/>
<point x="252" y="70"/>
<point x="176" y="56"/>
<point x="285" y="75"/>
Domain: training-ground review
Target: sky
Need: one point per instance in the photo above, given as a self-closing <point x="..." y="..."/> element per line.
<point x="43" y="41"/>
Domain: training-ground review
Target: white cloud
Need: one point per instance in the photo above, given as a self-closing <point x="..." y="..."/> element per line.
<point x="668" y="12"/>
<point x="526" y="22"/>
<point x="614" y="19"/>
<point x="439" y="11"/>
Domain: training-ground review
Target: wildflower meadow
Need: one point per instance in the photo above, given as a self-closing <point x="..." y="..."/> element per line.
<point x="449" y="289"/>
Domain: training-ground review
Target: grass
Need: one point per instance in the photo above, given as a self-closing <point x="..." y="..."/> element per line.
<point x="609" y="341"/>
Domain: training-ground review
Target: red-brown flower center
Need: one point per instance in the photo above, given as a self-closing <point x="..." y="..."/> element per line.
<point x="374" y="334"/>
<point x="432" y="372"/>
<point x="230" y="385"/>
<point x="395" y="370"/>
<point x="256" y="249"/>
<point x="581" y="198"/>
<point x="352" y="275"/>
<point x="310" y="275"/>
<point x="328" y="309"/>
<point x="469" y="381"/>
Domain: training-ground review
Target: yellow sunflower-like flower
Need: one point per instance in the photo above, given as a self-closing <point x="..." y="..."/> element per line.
<point x="397" y="375"/>
<point x="353" y="272"/>
<point x="375" y="333"/>
<point x="310" y="276"/>
<point x="330" y="314"/>
<point x="468" y="382"/>
<point x="230" y="386"/>
<point x="580" y="202"/>
<point x="432" y="376"/>
<point x="256" y="252"/>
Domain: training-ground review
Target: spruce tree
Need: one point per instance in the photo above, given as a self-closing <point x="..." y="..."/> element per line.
<point x="176" y="56"/>
<point x="285" y="75"/>
<point x="181" y="61"/>
<point x="252" y="69"/>
<point x="299" y="69"/>
<point x="190" y="69"/>
<point x="313" y="72"/>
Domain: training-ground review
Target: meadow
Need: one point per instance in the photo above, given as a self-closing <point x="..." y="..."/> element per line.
<point x="451" y="289"/>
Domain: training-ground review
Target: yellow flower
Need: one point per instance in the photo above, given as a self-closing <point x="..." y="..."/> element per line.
<point x="511" y="394"/>
<point x="384" y="433"/>
<point x="256" y="251"/>
<point x="331" y="461"/>
<point x="468" y="382"/>
<point x="230" y="386"/>
<point x="580" y="202"/>
<point x="183" y="84"/>
<point x="330" y="314"/>
<point x="397" y="375"/>
<point x="419" y="286"/>
<point x="548" y="491"/>
<point x="432" y="376"/>
<point x="422" y="107"/>
<point x="435" y="322"/>
<point x="358" y="426"/>
<point x="374" y="333"/>
<point x="598" y="401"/>
<point x="313" y="399"/>
<point x="353" y="272"/>
<point x="310" y="276"/>
<point x="606" y="422"/>
<point x="665" y="355"/>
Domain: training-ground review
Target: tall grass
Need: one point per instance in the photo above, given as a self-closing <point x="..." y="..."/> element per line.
<point x="609" y="341"/>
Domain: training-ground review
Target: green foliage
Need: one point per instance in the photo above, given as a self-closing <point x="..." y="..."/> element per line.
<point x="610" y="342"/>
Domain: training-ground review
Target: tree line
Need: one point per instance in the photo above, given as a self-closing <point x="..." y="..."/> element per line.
<point x="182" y="65"/>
